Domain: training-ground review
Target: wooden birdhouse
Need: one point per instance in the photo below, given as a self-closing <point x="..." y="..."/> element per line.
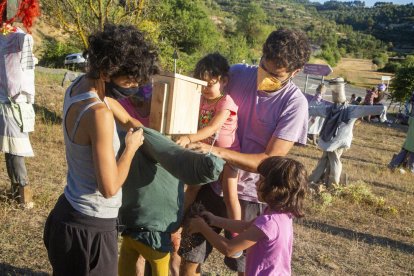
<point x="175" y="103"/>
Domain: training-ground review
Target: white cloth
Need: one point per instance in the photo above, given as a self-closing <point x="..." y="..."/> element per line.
<point x="16" y="82"/>
<point x="17" y="67"/>
<point x="12" y="139"/>
<point x="343" y="139"/>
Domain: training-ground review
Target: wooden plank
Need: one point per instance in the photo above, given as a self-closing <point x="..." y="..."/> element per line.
<point x="182" y="77"/>
<point x="185" y="107"/>
<point x="159" y="99"/>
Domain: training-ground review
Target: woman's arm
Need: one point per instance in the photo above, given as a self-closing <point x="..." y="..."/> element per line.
<point x="215" y="124"/>
<point x="227" y="247"/>
<point x="110" y="174"/>
<point x="122" y="116"/>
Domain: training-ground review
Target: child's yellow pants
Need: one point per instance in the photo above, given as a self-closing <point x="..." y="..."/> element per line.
<point x="130" y="251"/>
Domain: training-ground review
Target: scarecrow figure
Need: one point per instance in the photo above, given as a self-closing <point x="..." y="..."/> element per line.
<point x="336" y="134"/>
<point x="17" y="92"/>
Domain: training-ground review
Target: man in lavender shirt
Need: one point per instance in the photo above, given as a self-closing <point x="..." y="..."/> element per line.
<point x="272" y="117"/>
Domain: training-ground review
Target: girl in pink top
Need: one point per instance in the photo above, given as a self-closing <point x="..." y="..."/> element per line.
<point x="269" y="237"/>
<point x="217" y="125"/>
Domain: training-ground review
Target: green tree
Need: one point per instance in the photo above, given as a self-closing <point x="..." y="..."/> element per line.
<point x="409" y="61"/>
<point x="237" y="50"/>
<point x="54" y="52"/>
<point x="402" y="84"/>
<point x="251" y="21"/>
<point x="80" y="17"/>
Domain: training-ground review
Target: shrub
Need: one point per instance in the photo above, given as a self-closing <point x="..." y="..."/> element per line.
<point x="391" y="67"/>
<point x="54" y="52"/>
<point x="378" y="62"/>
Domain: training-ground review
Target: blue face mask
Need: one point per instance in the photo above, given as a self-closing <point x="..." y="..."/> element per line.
<point x="119" y="92"/>
<point x="144" y="93"/>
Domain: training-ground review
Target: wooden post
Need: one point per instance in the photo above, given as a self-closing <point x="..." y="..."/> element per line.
<point x="306" y="83"/>
<point x="159" y="106"/>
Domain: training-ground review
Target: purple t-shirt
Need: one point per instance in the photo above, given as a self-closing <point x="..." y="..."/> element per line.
<point x="282" y="114"/>
<point x="271" y="255"/>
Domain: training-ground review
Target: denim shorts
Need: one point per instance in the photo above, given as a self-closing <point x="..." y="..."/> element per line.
<point x="215" y="204"/>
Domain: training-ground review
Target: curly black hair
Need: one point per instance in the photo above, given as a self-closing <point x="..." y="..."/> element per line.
<point x="287" y="48"/>
<point x="284" y="185"/>
<point x="121" y="50"/>
<point x="211" y="66"/>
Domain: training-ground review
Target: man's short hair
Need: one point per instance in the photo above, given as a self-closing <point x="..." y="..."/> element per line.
<point x="287" y="48"/>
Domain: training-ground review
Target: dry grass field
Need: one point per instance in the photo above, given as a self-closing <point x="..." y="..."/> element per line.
<point x="366" y="228"/>
<point x="360" y="72"/>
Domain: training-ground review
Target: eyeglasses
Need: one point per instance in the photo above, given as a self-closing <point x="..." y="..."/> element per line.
<point x="272" y="74"/>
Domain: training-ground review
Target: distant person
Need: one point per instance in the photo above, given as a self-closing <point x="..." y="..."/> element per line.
<point x="357" y="101"/>
<point x="370" y="95"/>
<point x="379" y="101"/>
<point x="269" y="237"/>
<point x="406" y="155"/>
<point x="272" y="117"/>
<point x="315" y="122"/>
<point x="353" y="98"/>
<point x="80" y="233"/>
<point x="217" y="125"/>
<point x="412" y="104"/>
<point x="381" y="88"/>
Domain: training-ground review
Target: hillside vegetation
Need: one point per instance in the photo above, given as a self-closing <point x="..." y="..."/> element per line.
<point x="237" y="28"/>
<point x="390" y="23"/>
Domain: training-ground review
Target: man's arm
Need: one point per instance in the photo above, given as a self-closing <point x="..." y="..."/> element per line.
<point x="248" y="161"/>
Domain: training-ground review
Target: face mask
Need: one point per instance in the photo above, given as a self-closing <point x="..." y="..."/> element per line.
<point x="119" y="92"/>
<point x="266" y="82"/>
<point x="144" y="93"/>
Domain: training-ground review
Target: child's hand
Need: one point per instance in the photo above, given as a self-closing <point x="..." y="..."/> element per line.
<point x="176" y="239"/>
<point x="134" y="139"/>
<point x="200" y="147"/>
<point x="209" y="218"/>
<point x="196" y="224"/>
<point x="183" y="141"/>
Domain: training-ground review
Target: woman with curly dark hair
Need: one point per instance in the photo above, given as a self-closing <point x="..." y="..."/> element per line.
<point x="80" y="233"/>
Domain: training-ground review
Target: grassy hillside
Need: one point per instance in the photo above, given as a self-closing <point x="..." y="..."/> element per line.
<point x="334" y="38"/>
<point x="363" y="229"/>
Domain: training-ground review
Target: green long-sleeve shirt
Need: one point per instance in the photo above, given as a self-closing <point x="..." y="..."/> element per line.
<point x="153" y="193"/>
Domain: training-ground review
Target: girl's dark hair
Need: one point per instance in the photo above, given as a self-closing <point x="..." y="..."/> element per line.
<point x="211" y="66"/>
<point x="287" y="48"/>
<point x="121" y="50"/>
<point x="284" y="185"/>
